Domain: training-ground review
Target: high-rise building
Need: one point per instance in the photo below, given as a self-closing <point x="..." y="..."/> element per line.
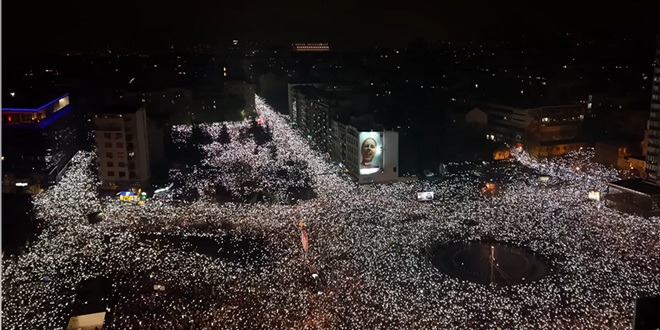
<point x="293" y="96"/>
<point x="642" y="195"/>
<point x="653" y="148"/>
<point x="122" y="147"/>
<point x="39" y="138"/>
<point x="313" y="105"/>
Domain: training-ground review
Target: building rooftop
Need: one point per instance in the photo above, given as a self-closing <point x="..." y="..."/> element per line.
<point x="363" y="123"/>
<point x="517" y="107"/>
<point x="311" y="91"/>
<point x="637" y="186"/>
<point x="332" y="91"/>
<point x="29" y="99"/>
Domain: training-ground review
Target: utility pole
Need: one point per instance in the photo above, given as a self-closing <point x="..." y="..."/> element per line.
<point x="492" y="261"/>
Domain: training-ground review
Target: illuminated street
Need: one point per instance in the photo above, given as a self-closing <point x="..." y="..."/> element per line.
<point x="369" y="245"/>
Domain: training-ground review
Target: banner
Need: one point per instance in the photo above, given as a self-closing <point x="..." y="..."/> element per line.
<point x="305" y="240"/>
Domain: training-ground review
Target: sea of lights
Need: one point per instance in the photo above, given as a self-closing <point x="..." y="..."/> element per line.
<point x="367" y="245"/>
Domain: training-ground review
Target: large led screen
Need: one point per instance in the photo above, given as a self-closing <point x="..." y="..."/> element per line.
<point x="371" y="152"/>
<point x="425" y="196"/>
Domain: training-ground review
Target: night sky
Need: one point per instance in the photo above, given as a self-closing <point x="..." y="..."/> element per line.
<point x="30" y="25"/>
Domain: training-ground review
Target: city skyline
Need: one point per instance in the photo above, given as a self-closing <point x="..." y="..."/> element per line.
<point x="335" y="165"/>
<point x="344" y="24"/>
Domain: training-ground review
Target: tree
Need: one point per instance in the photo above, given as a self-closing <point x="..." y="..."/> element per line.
<point x="200" y="136"/>
<point x="232" y="105"/>
<point x="186" y="153"/>
<point x="224" y="137"/>
<point x="191" y="151"/>
<point x="261" y="134"/>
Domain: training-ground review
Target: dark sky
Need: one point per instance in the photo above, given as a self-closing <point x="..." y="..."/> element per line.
<point x="29" y="25"/>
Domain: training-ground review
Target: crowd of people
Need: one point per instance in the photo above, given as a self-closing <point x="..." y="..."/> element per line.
<point x="240" y="166"/>
<point x="367" y="245"/>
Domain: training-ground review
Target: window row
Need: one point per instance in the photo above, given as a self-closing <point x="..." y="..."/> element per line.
<point x="108" y="135"/>
<point x="120" y="154"/>
<point x="130" y="146"/>
<point x="120" y="174"/>
<point x="119" y="164"/>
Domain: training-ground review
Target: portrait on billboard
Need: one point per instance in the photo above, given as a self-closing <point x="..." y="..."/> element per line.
<point x="371" y="158"/>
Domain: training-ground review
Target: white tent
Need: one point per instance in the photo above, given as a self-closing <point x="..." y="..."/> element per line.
<point x="92" y="321"/>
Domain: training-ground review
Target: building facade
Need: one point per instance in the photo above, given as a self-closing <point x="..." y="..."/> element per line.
<point x="365" y="150"/>
<point x="350" y="145"/>
<point x="121" y="135"/>
<point x="543" y="131"/>
<point x="312" y="108"/>
<point x="653" y="147"/>
<point x="294" y="94"/>
<point x="344" y="146"/>
<point x="642" y="195"/>
<point x="38" y="142"/>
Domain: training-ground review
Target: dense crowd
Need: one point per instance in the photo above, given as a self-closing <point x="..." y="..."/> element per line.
<point x="367" y="245"/>
<point x="240" y="166"/>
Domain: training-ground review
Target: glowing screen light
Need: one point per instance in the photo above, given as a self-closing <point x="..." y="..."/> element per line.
<point x="370" y="147"/>
<point x="425" y="196"/>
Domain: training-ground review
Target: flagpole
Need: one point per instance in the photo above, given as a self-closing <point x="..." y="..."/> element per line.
<point x="492" y="260"/>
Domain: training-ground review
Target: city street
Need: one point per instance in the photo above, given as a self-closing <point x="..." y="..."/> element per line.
<point x="237" y="262"/>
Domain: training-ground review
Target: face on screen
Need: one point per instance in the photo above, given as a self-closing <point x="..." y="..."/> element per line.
<point x="370" y="149"/>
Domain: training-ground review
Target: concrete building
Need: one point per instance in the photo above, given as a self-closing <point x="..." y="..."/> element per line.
<point x="293" y="95"/>
<point x="313" y="106"/>
<point x="348" y="140"/>
<point x="620" y="155"/>
<point x="39" y="138"/>
<point x="642" y="195"/>
<point x="122" y="146"/>
<point x="468" y="116"/>
<point x="333" y="118"/>
<point x="476" y="117"/>
<point x="543" y="131"/>
<point x="653" y="149"/>
<point x="629" y="156"/>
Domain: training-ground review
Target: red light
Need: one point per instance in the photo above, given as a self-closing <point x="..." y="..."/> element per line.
<point x="9" y="118"/>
